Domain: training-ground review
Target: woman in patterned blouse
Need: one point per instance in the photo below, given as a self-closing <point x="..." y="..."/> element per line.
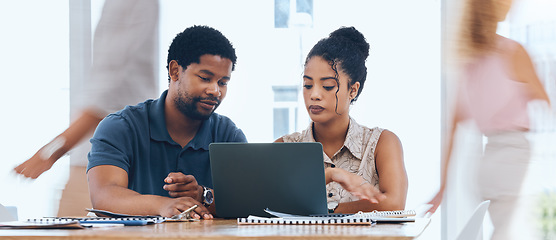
<point x="354" y="155"/>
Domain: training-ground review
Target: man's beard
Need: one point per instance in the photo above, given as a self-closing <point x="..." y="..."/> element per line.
<point x="187" y="105"/>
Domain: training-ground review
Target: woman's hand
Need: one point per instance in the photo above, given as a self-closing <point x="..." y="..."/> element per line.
<point x="354" y="184"/>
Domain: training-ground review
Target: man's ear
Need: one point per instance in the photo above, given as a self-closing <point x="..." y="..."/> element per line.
<point x="174" y="70"/>
<point x="354" y="89"/>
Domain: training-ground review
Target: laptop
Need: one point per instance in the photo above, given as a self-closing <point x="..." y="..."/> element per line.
<point x="284" y="177"/>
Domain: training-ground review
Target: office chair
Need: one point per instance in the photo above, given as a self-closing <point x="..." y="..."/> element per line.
<point x="8" y="213"/>
<point x="474" y="226"/>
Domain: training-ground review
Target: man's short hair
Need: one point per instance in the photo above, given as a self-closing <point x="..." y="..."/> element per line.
<point x="189" y="45"/>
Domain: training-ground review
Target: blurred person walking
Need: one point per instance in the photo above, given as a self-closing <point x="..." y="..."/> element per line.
<point x="123" y="72"/>
<point x="497" y="82"/>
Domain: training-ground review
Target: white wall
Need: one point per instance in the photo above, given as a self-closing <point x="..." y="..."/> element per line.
<point x="34" y="84"/>
<point x="402" y="92"/>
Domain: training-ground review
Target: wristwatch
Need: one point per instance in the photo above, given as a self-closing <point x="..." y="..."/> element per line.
<point x="332" y="206"/>
<point x="207" y="196"/>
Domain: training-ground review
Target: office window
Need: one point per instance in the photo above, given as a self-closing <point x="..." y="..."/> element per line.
<point x="285" y="110"/>
<point x="281" y="122"/>
<point x="304" y="6"/>
<point x="288" y="12"/>
<point x="281" y="13"/>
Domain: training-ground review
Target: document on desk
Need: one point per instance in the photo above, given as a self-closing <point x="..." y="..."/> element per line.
<point x="94" y="221"/>
<point x="151" y="219"/>
<point x="284" y="218"/>
<point x="41" y="225"/>
<point x="126" y="221"/>
<point x="360" y="218"/>
<point x="399" y="216"/>
<point x="119" y="215"/>
<point x="112" y="220"/>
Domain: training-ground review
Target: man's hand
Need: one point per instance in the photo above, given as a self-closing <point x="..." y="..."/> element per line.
<point x="181" y="185"/>
<point x="175" y="206"/>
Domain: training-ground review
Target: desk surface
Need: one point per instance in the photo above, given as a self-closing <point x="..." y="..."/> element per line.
<point x="228" y="229"/>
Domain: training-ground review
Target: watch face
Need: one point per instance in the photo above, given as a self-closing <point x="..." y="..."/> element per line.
<point x="208" y="196"/>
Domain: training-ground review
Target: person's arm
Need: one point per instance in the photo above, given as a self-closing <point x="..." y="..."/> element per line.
<point x="43" y="159"/>
<point x="525" y="72"/>
<point x="437" y="199"/>
<point x="112" y="153"/>
<point x="393" y="178"/>
<point x="108" y="187"/>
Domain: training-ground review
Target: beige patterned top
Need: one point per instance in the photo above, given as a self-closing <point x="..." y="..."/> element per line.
<point x="356" y="156"/>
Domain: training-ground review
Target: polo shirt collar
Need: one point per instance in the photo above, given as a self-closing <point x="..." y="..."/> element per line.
<point x="159" y="132"/>
<point x="203" y="137"/>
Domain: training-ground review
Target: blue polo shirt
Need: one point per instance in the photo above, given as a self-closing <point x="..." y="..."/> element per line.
<point x="136" y="140"/>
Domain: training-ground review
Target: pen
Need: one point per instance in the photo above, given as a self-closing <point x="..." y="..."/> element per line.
<point x="190" y="209"/>
<point x="96" y="225"/>
<point x="126" y="222"/>
<point x="185" y="214"/>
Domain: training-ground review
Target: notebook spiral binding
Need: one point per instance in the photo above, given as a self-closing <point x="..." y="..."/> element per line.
<point x="358" y="221"/>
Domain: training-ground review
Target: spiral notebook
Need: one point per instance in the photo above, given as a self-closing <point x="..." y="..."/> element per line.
<point x="381" y="215"/>
<point x="306" y="220"/>
<point x="360" y="218"/>
<point x="76" y="223"/>
<point x="31" y="224"/>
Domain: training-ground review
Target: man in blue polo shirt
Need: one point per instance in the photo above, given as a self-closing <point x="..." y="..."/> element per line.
<point x="152" y="158"/>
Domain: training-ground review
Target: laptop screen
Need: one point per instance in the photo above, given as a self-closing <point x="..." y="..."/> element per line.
<point x="284" y="177"/>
